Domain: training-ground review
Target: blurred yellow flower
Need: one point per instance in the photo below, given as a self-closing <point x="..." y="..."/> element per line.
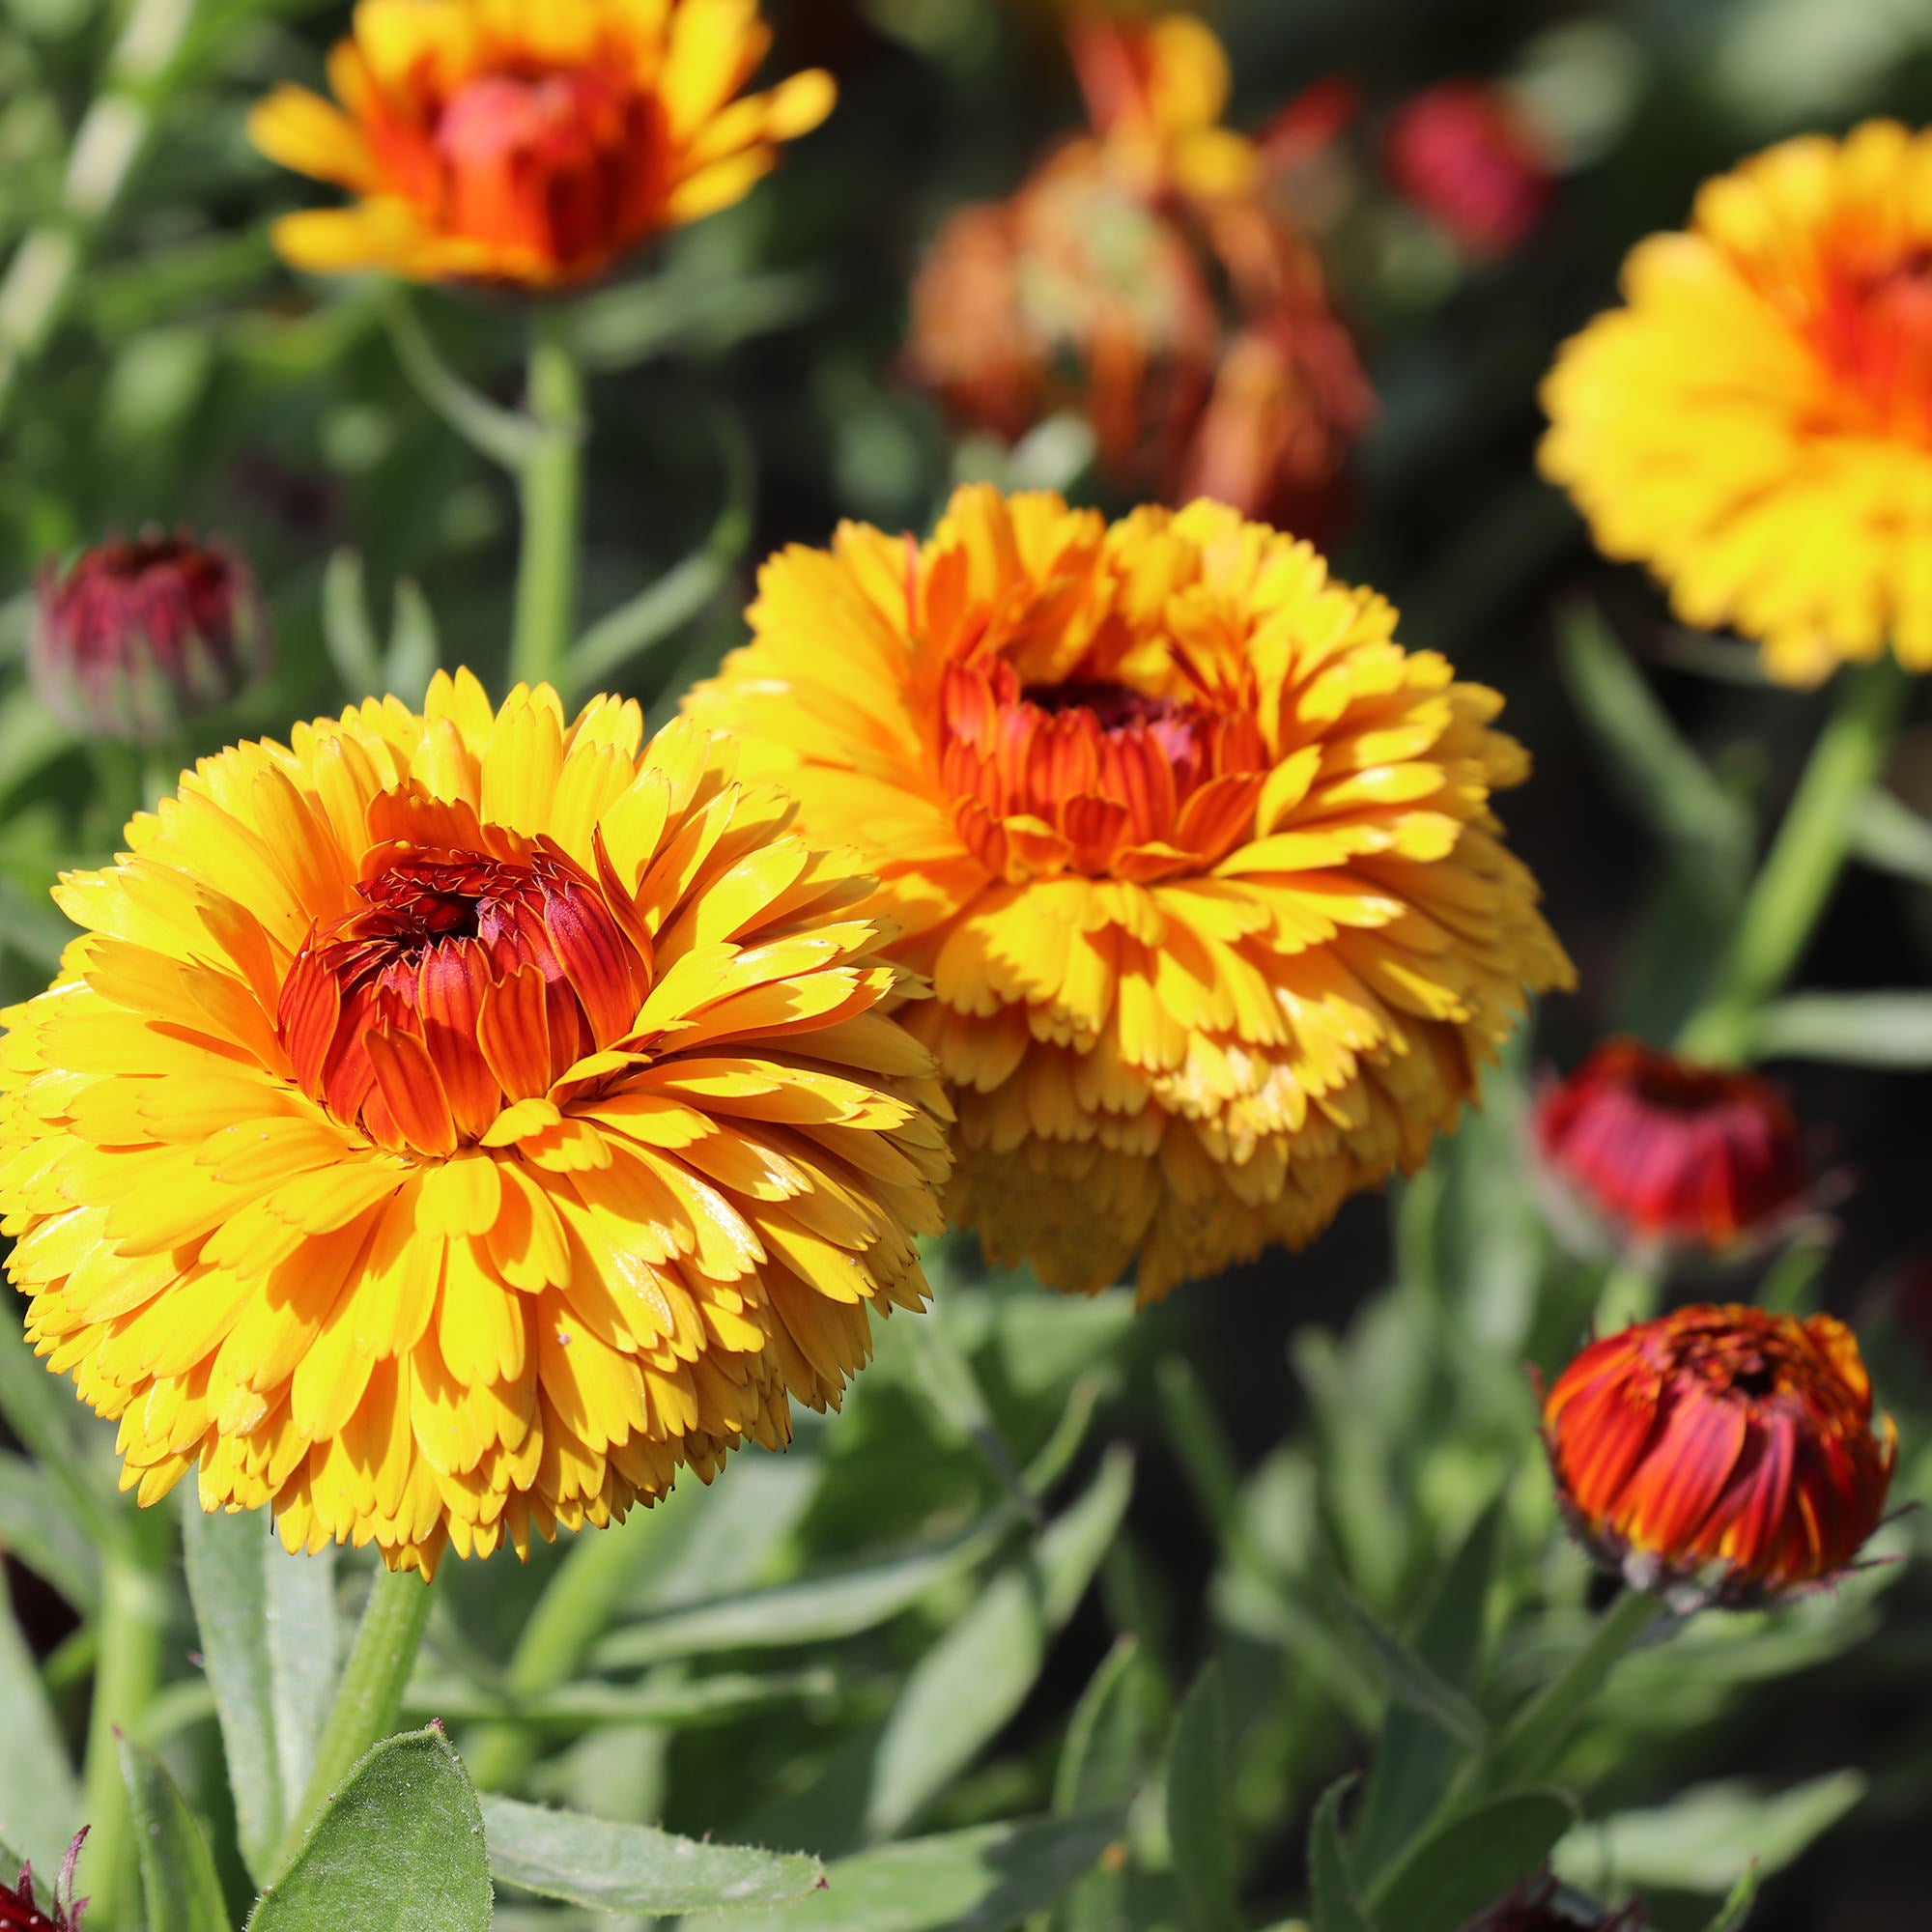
<point x="529" y="141"/>
<point x="1755" y="423"/>
<point x="447" y="1126"/>
<point x="1199" y="861"/>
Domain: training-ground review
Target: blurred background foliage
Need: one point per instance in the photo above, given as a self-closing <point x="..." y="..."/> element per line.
<point x="1320" y="1471"/>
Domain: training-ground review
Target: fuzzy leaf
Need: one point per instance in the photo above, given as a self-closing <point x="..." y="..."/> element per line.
<point x="1334" y="1905"/>
<point x="1200" y="1809"/>
<point x="177" y="1877"/>
<point x="1473" y="1861"/>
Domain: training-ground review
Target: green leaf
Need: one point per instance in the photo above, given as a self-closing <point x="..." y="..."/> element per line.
<point x="1333" y="1905"/>
<point x="982" y="1880"/>
<point x="31" y="738"/>
<point x="1472" y="1860"/>
<point x="1413" y="1685"/>
<point x="1853" y="1029"/>
<point x="399" y="1849"/>
<point x="410" y="661"/>
<point x="966" y="1687"/>
<point x="36" y="1527"/>
<point x="815" y="1609"/>
<point x="716" y="1699"/>
<point x="1706" y="1836"/>
<point x="40" y="1799"/>
<point x="177" y="1877"/>
<point x="269" y="1634"/>
<point x="1737" y="1908"/>
<point x="1416" y="1756"/>
<point x="1663" y="781"/>
<point x="1100" y="1761"/>
<point x="1201" y="1809"/>
<point x="633" y="1867"/>
<point x="54" y="1427"/>
<point x="347" y="629"/>
<point x="1888" y="833"/>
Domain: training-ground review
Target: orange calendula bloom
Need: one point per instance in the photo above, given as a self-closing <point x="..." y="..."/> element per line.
<point x="1198" y="859"/>
<point x="1722" y="1454"/>
<point x="529" y="141"/>
<point x="1755" y="423"/>
<point x="447" y="1126"/>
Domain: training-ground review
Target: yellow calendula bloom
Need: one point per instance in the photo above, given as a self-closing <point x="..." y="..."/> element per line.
<point x="447" y="1126"/>
<point x="1755" y="423"/>
<point x="1199" y="862"/>
<point x="529" y="141"/>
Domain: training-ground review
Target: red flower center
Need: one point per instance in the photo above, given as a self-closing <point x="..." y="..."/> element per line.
<point x="1093" y="776"/>
<point x="464" y="982"/>
<point x="547" y="162"/>
<point x="1874" y="332"/>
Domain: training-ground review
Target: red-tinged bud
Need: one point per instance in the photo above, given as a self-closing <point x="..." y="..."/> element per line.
<point x="1648" y="1151"/>
<point x="1539" y="1905"/>
<point x="1721" y="1455"/>
<point x="139" y="635"/>
<point x="1465" y="156"/>
<point x="18" y="1912"/>
<point x="469" y="980"/>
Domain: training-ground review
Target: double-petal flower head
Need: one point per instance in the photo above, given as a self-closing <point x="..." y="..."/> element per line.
<point x="447" y="1125"/>
<point x="1198" y="859"/>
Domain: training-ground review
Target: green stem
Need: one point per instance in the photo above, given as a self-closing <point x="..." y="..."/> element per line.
<point x="369" y="1702"/>
<point x="1543" y="1726"/>
<point x="1630" y="1293"/>
<point x="132" y="1626"/>
<point x="552" y="481"/>
<point x="1805" y="861"/>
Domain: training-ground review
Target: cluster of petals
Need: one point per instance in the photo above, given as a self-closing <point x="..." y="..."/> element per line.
<point x="138" y="633"/>
<point x="1755" y="422"/>
<point x="447" y="1125"/>
<point x="1144" y="277"/>
<point x="1644" y="1151"/>
<point x="1199" y="861"/>
<point x="1722" y="1454"/>
<point x="532" y="142"/>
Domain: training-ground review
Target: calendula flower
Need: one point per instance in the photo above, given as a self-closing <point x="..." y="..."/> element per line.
<point x="448" y="1125"/>
<point x="1755" y="423"/>
<point x="1156" y="91"/>
<point x="529" y="141"/>
<point x="1465" y="154"/>
<point x="1648" y="1151"/>
<point x="137" y="636"/>
<point x="18" y="1912"/>
<point x="1721" y="1455"/>
<point x="1199" y="861"/>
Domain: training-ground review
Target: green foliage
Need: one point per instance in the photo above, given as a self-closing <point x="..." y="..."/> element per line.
<point x="179" y="1885"/>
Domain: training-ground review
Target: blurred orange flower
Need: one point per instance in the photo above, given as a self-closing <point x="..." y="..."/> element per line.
<point x="1143" y="278"/>
<point x="1200" y="862"/>
<point x="1721" y="1455"/>
<point x="529" y="141"/>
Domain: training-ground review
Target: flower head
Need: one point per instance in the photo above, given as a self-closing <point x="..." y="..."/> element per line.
<point x="536" y="144"/>
<point x="1755" y="423"/>
<point x="1652" y="1150"/>
<point x="137" y="636"/>
<point x="1465" y="156"/>
<point x="448" y="1125"/>
<point x="19" y="1913"/>
<point x="1199" y="861"/>
<point x="1722" y="1454"/>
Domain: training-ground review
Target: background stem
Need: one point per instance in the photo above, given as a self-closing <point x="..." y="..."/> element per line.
<point x="552" y="485"/>
<point x="132" y="1624"/>
<point x="1805" y="861"/>
<point x="369" y="1701"/>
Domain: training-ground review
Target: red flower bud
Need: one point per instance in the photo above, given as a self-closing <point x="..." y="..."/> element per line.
<point x="1650" y="1150"/>
<point x="1721" y="1455"/>
<point x="1537" y="1906"/>
<point x="19" y="1914"/>
<point x="137" y="636"/>
<point x="1465" y="156"/>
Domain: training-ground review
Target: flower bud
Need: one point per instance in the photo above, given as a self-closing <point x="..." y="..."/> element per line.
<point x="1644" y="1149"/>
<point x="1721" y="1455"/>
<point x="1538" y="1905"/>
<point x="18" y="1912"/>
<point x="139" y="635"/>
